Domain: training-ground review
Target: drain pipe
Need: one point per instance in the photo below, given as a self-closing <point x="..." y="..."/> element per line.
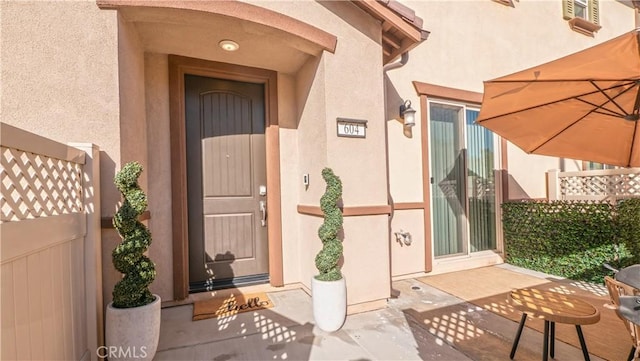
<point x="403" y="60"/>
<point x="398" y="64"/>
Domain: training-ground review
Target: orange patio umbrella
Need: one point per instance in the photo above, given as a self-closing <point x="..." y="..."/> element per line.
<point x="583" y="106"/>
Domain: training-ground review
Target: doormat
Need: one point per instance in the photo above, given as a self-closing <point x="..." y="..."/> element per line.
<point x="229" y="305"/>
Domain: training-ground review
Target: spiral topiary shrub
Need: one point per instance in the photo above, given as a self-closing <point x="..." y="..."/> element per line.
<point x="327" y="259"/>
<point x="128" y="257"/>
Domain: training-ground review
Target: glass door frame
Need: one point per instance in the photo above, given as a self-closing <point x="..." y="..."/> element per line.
<point x="462" y="136"/>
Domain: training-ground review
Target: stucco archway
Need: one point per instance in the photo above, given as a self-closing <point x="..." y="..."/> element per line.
<point x="148" y="32"/>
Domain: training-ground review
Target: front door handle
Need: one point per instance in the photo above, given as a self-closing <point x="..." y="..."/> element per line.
<point x="263" y="210"/>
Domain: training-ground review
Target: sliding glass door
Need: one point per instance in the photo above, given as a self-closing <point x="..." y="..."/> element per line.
<point x="463" y="202"/>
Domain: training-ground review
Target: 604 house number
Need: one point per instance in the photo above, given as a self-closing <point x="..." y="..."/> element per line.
<point x="352" y="128"/>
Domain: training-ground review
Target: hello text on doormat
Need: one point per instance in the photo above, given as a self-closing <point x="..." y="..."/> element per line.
<point x="229" y="305"/>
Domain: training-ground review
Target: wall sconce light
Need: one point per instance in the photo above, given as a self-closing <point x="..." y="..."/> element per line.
<point x="408" y="114"/>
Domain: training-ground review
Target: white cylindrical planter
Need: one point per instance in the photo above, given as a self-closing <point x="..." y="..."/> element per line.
<point x="132" y="333"/>
<point x="329" y="303"/>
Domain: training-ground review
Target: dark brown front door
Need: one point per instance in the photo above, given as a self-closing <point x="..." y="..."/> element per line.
<point x="226" y="182"/>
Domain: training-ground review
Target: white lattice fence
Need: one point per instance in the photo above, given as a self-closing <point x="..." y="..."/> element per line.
<point x="50" y="257"/>
<point x="35" y="185"/>
<point x="610" y="184"/>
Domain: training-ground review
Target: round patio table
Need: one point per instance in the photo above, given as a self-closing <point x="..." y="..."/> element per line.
<point x="552" y="307"/>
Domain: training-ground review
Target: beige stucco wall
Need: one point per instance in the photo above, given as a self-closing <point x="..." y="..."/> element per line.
<point x="365" y="238"/>
<point x="69" y="84"/>
<point x="292" y="244"/>
<point x="73" y="72"/>
<point x="346" y="84"/>
<point x="473" y="41"/>
<point x="61" y="81"/>
<point x="407" y="259"/>
<point x="311" y="157"/>
<point x="405" y="164"/>
<point x="354" y="89"/>
<point x="105" y="86"/>
<point x="310" y="97"/>
<point x="463" y="53"/>
<point x="157" y="44"/>
<point x="131" y="73"/>
<point x="133" y="135"/>
<point x="156" y="77"/>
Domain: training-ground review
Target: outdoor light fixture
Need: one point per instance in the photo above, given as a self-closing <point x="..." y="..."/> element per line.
<point x="229" y="45"/>
<point x="408" y="114"/>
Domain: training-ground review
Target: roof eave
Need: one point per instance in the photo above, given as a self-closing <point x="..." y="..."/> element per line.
<point x="401" y="29"/>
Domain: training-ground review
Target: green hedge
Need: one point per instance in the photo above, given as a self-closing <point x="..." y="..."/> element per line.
<point x="629" y="226"/>
<point x="570" y="238"/>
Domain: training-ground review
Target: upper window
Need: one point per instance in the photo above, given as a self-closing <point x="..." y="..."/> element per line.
<point x="581" y="8"/>
<point x="588" y="165"/>
<point x="583" y="15"/>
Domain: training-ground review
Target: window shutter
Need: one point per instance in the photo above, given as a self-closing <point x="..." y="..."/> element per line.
<point x="594" y="15"/>
<point x="568" y="9"/>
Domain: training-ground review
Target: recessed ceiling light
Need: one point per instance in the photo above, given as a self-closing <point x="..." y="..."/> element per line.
<point x="229" y="45"/>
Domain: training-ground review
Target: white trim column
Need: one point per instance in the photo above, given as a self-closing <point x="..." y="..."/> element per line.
<point x="92" y="247"/>
<point x="553" y="192"/>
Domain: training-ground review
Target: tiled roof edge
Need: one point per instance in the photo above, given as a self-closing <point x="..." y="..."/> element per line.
<point x="407" y="13"/>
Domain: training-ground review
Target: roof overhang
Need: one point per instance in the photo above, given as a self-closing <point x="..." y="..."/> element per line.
<point x="268" y="39"/>
<point x="401" y="28"/>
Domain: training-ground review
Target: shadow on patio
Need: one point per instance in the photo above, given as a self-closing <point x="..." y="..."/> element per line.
<point x="459" y="316"/>
<point x="484" y="323"/>
<point x="254" y="335"/>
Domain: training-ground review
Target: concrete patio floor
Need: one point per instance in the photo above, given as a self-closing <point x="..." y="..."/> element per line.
<point x="287" y="332"/>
